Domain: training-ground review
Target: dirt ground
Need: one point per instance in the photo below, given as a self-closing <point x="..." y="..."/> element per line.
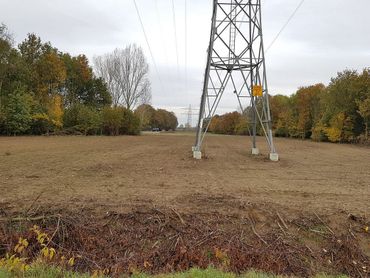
<point x="317" y="188"/>
<point x="119" y="172"/>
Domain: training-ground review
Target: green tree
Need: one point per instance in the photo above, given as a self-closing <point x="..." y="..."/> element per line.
<point x="5" y="53"/>
<point x="341" y="96"/>
<point x="32" y="49"/>
<point x="130" y="123"/>
<point x="18" y="112"/>
<point x="81" y="86"/>
<point x="364" y="111"/>
<point x="95" y="94"/>
<point x="12" y="71"/>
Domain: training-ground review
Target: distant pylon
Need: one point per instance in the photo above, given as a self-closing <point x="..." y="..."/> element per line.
<point x="190" y="118"/>
<point x="236" y="64"/>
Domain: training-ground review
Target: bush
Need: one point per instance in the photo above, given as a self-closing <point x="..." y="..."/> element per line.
<point x="130" y="124"/>
<point x="89" y="121"/>
<point x="120" y="121"/>
<point x="40" y="124"/>
<point x="111" y="120"/>
<point x="82" y="119"/>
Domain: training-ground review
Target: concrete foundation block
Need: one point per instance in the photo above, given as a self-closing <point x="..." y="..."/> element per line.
<point x="197" y="154"/>
<point x="255" y="151"/>
<point x="274" y="157"/>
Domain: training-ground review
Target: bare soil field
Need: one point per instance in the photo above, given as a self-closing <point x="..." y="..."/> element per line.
<point x="143" y="202"/>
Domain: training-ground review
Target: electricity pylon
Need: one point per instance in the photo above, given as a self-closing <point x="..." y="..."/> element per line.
<point x="236" y="64"/>
<point x="190" y="118"/>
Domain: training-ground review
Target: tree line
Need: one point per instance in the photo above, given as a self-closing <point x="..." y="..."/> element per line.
<point x="160" y="119"/>
<point x="44" y="90"/>
<point x="339" y="112"/>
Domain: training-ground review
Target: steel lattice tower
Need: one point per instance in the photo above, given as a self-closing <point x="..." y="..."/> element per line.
<point x="236" y="64"/>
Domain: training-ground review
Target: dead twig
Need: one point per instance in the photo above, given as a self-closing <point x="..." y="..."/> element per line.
<point x="255" y="232"/>
<point x="56" y="230"/>
<point x="318" y="217"/>
<point x="20" y="219"/>
<point x="178" y="215"/>
<point x="282" y="220"/>
<point x="281" y="228"/>
<point x="33" y="202"/>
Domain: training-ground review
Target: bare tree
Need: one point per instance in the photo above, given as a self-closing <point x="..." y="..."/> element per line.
<point x="126" y="74"/>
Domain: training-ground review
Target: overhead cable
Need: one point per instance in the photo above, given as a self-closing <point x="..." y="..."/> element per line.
<point x="148" y="44"/>
<point x="175" y="30"/>
<point x="285" y="25"/>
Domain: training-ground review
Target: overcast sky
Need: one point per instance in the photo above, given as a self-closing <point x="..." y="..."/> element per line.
<point x="324" y="37"/>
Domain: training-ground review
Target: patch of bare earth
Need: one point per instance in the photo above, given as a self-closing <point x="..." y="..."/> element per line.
<point x="126" y="203"/>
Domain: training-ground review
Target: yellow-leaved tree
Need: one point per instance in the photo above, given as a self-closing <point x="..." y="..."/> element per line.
<point x="334" y="132"/>
<point x="55" y="111"/>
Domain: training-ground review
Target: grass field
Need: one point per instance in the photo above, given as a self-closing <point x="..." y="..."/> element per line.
<point x="317" y="193"/>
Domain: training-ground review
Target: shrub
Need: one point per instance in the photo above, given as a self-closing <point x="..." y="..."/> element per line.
<point x="40" y="124"/>
<point x="111" y="120"/>
<point x="82" y="119"/>
<point x="130" y="124"/>
<point x="89" y="120"/>
<point x="120" y="121"/>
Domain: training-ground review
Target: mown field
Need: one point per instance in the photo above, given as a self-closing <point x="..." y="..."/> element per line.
<point x="124" y="203"/>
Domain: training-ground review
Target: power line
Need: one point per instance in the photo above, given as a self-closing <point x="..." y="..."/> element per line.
<point x="186" y="45"/>
<point x="285" y="25"/>
<point x="174" y="24"/>
<point x="147" y="42"/>
<point x="164" y="47"/>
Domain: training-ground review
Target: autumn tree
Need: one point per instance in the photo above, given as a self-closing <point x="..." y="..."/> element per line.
<point x="81" y="85"/>
<point x="51" y="76"/>
<point x="55" y="111"/>
<point x="308" y="108"/>
<point x="146" y="113"/>
<point x="229" y="123"/>
<point x="120" y="121"/>
<point x="281" y="115"/>
<point x="164" y="120"/>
